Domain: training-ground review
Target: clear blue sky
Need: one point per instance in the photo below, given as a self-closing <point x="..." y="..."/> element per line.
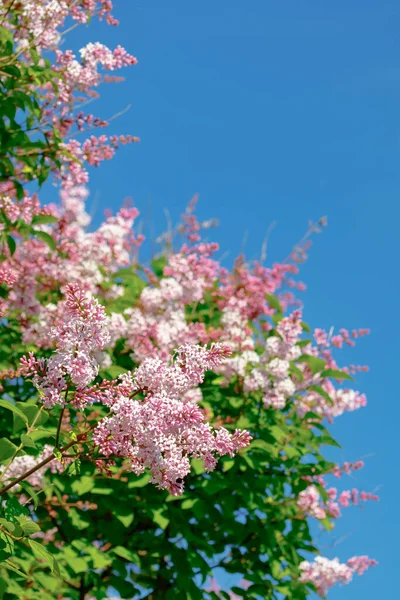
<point x="283" y="111"/>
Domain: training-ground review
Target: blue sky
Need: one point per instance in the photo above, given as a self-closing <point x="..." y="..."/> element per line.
<point x="282" y="112"/>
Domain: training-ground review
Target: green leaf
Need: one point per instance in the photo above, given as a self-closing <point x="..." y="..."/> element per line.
<point x="160" y="519"/>
<point x="7" y="525"/>
<point x="45" y="237"/>
<point x="189" y="503"/>
<point x="291" y="452"/>
<point x="126" y="273"/>
<point x="139" y="482"/>
<point x="274" y="302"/>
<point x="328" y="440"/>
<point x="27" y="441"/>
<point x="43" y="219"/>
<point x="320" y="390"/>
<point x="126" y="520"/>
<point x="48" y="582"/>
<point x="12" y="70"/>
<point x="12" y="246"/>
<point x="334" y="374"/>
<point x="7" y="449"/>
<point x="13" y="509"/>
<point x="100" y="559"/>
<point x="158" y="265"/>
<point x="114" y="371"/>
<point x="6" y="548"/>
<point x="3" y="588"/>
<point x="5" y="35"/>
<point x="239" y="591"/>
<point x="42" y="553"/>
<point x="31" y="414"/>
<point x="125" y="553"/>
<point x="78" y="564"/>
<point x="28" y="526"/>
<point x="9" y="565"/>
<point x="296" y="371"/>
<point x="15" y="409"/>
<point x="277" y="433"/>
<point x="277" y="318"/>
<point x="79" y="520"/>
<point x="316" y="364"/>
<point x="228" y="464"/>
<point x="83" y="485"/>
<point x="260" y="444"/>
<point x="73" y="468"/>
<point x="327" y="524"/>
<point x="104" y="491"/>
<point x="30" y="491"/>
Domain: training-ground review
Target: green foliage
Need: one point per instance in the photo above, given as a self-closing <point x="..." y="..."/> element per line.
<point x="122" y="533"/>
<point x="30" y="147"/>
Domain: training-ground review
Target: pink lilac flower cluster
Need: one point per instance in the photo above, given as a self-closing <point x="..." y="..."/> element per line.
<point x="39" y="24"/>
<point x="85" y="258"/>
<point x="341" y="400"/>
<point x="79" y="338"/>
<point x="25" y="209"/>
<point x="325" y="340"/>
<point x="269" y="372"/>
<point x="81" y="77"/>
<point x="347" y="468"/>
<point x="40" y="20"/>
<point x="194" y="270"/>
<point x="310" y="502"/>
<point x="159" y="322"/>
<point x="164" y="431"/>
<point x="324" y="573"/>
<point x="248" y="287"/>
<point x="345" y="337"/>
<point x="189" y="226"/>
<point x="327" y="401"/>
<point x="7" y="276"/>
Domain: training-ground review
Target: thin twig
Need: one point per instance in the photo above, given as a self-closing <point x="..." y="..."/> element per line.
<point x="264" y="246"/>
<point x="44" y="462"/>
